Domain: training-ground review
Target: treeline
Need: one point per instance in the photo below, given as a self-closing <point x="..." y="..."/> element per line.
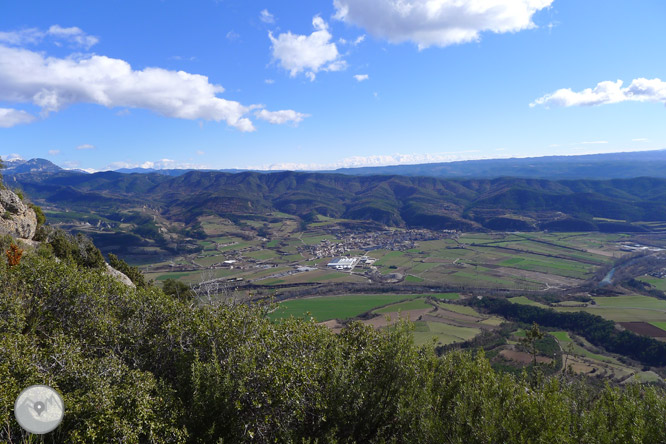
<point x="138" y="365"/>
<point x="595" y="329"/>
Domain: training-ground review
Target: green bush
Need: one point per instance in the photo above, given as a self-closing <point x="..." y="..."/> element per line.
<point x="138" y="365"/>
<point x="41" y="217"/>
<point x="133" y="273"/>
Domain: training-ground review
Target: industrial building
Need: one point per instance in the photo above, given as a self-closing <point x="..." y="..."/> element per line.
<point x="343" y="263"/>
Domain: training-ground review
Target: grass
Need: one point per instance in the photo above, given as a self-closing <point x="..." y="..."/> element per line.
<point x="335" y="307"/>
<point x="661" y="325"/>
<point x="261" y="254"/>
<point x="659" y="284"/>
<point x="565" y="340"/>
<point x="416" y="304"/>
<point x="345" y="306"/>
<point x="635" y="301"/>
<point x="618" y="309"/>
<point x="424" y="332"/>
<point x="525" y="301"/>
<point x="176" y="275"/>
<point x="554" y="266"/>
<point x="620" y="314"/>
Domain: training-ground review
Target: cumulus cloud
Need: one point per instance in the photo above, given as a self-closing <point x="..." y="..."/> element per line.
<point x="361" y="77"/>
<point x="73" y="35"/>
<point x="438" y="22"/>
<point x="281" y="117"/>
<point x="266" y="16"/>
<point x="11" y="117"/>
<point x="307" y="53"/>
<point x="639" y="90"/>
<point x="54" y="152"/>
<point x="85" y="146"/>
<point x="54" y="83"/>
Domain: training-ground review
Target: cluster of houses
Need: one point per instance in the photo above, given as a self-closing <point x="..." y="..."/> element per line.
<point x="348" y="241"/>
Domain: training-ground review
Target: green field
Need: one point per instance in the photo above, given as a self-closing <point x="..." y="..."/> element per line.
<point x="659" y="284"/>
<point x="345" y="306"/>
<point x="634" y="301"/>
<point x="661" y="325"/>
<point x="633" y="308"/>
<point x="525" y="301"/>
<point x="416" y="304"/>
<point x="564" y="339"/>
<point x="424" y="332"/>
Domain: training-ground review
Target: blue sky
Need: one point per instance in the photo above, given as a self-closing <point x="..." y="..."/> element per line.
<point x="323" y="84"/>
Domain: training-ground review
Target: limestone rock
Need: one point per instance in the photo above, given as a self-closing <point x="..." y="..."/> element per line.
<point x="122" y="277"/>
<point x="16" y="218"/>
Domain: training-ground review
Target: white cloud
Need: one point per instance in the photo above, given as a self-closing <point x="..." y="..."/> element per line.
<point x="361" y="77"/>
<point x="54" y="83"/>
<point x="281" y="117"/>
<point x="12" y="156"/>
<point x="54" y="152"/>
<point x="11" y="117"/>
<point x="266" y="16"/>
<point x="73" y="35"/>
<point x="438" y="22"/>
<point x="639" y="90"/>
<point x="355" y="42"/>
<point x="232" y="36"/>
<point x="377" y="160"/>
<point x="359" y="40"/>
<point x="85" y="146"/>
<point x="161" y="164"/>
<point x="200" y="153"/>
<point x="307" y="53"/>
<point x="269" y="81"/>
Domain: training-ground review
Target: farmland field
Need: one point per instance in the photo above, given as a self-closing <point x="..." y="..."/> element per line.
<point x="344" y="306"/>
<point x="425" y="332"/>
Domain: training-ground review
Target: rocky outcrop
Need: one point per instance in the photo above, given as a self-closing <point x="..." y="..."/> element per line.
<point x="16" y="218"/>
<point x="122" y="277"/>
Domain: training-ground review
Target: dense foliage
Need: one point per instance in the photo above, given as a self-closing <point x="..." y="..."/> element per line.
<point x="132" y="273"/>
<point x="595" y="329"/>
<point x="506" y="203"/>
<point x="138" y="365"/>
<point x="78" y="248"/>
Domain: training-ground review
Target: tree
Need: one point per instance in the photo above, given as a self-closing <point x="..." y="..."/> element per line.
<point x="133" y="273"/>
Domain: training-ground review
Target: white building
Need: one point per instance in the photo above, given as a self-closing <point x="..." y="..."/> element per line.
<point x="343" y="263"/>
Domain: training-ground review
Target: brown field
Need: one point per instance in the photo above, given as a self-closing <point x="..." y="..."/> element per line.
<point x="334" y="325"/>
<point x="522" y="357"/>
<point x="645" y="329"/>
<point x="386" y="319"/>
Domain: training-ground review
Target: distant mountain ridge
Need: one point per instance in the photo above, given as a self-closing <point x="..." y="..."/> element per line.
<point x="590" y="166"/>
<point x="19" y="166"/>
<point x="513" y="204"/>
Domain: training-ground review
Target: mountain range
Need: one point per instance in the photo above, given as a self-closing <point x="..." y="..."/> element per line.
<point x="591" y="166"/>
<point x="466" y="204"/>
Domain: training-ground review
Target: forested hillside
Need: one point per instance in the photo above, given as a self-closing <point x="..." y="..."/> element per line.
<point x="139" y="365"/>
<point x="498" y="204"/>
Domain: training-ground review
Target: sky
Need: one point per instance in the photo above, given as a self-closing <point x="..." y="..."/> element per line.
<point x="324" y="84"/>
